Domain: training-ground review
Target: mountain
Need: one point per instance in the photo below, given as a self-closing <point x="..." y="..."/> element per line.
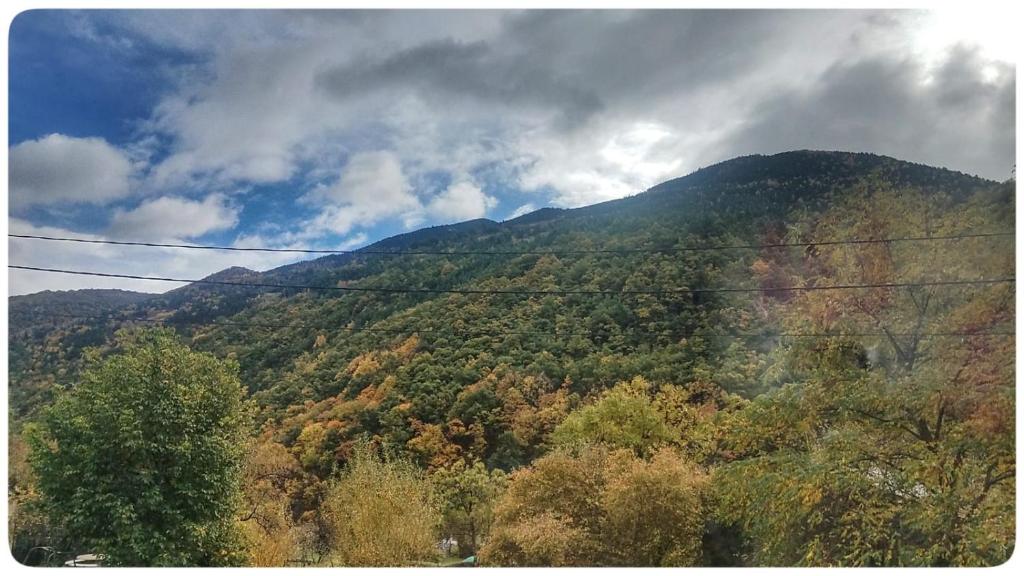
<point x="310" y="355"/>
<point x="36" y="316"/>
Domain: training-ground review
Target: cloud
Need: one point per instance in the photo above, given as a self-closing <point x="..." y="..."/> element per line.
<point x="897" y="107"/>
<point x="174" y="217"/>
<point x="72" y="256"/>
<point x="460" y="201"/>
<point x="445" y="71"/>
<point x="59" y="169"/>
<point x="371" y="187"/>
<point x="615" y="163"/>
<point x="584" y="106"/>
<point x="243" y="126"/>
<point x="362" y="113"/>
<point x="355" y="241"/>
<point x="254" y="112"/>
<point x="139" y="261"/>
<point x="522" y="210"/>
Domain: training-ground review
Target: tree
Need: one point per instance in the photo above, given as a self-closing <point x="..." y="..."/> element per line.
<point x="623" y="417"/>
<point x="600" y="508"/>
<point x="381" y="511"/>
<point x="468" y="494"/>
<point x="550" y="515"/>
<point x="29" y="535"/>
<point x="895" y="448"/>
<point x="655" y="510"/>
<point x="273" y="484"/>
<point x="140" y="461"/>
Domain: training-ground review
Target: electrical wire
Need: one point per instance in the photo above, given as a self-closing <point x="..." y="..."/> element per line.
<point x="670" y="249"/>
<point x="474" y="291"/>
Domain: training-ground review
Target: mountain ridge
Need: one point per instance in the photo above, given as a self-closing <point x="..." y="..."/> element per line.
<point x="738" y="171"/>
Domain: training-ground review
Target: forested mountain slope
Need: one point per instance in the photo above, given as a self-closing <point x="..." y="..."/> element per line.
<point x="742" y="201"/>
<point x="475" y="341"/>
<point x="43" y="309"/>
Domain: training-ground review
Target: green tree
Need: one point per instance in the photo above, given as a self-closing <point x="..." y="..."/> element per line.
<point x="140" y="461"/>
<point x="468" y="494"/>
<point x="381" y="511"/>
<point x="623" y="417"/>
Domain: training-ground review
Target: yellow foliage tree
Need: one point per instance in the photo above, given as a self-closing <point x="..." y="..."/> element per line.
<point x="381" y="511"/>
<point x="600" y="508"/>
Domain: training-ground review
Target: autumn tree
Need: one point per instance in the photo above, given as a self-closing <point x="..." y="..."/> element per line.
<point x="273" y="483"/>
<point x="600" y="507"/>
<point x="29" y="534"/>
<point x="140" y="461"/>
<point x="381" y="511"/>
<point x="531" y="408"/>
<point x="893" y="443"/>
<point x="622" y="417"/>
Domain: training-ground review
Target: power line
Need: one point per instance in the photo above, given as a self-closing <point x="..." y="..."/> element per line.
<point x="670" y="249"/>
<point x="474" y="291"/>
<point x="492" y="332"/>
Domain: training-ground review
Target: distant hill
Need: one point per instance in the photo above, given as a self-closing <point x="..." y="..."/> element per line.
<point x="42" y="309"/>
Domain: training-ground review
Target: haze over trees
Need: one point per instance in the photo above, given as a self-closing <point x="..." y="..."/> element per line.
<point x="757" y="389"/>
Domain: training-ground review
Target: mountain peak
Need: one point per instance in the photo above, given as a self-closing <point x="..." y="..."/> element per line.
<point x="232" y="273"/>
<point x="834" y="165"/>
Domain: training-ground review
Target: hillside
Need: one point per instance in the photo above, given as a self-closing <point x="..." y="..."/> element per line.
<point x="483" y="337"/>
<point x="740" y="201"/>
<point x="30" y="309"/>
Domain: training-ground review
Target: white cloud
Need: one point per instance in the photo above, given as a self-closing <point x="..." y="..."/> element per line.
<point x="59" y="169"/>
<point x="354" y="241"/>
<point x="522" y="210"/>
<point x="257" y="105"/>
<point x="256" y="112"/>
<point x="937" y="30"/>
<point x="618" y="157"/>
<point x="635" y="153"/>
<point x="461" y="201"/>
<point x="174" y="217"/>
<point x="287" y="95"/>
<point x="247" y="124"/>
<point x="371" y="187"/>
<point x="138" y="261"/>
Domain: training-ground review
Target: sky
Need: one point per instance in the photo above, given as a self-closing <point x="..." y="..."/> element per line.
<point x="333" y="129"/>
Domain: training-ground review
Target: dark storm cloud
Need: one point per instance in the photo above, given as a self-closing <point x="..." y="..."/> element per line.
<point x="622" y="54"/>
<point x="447" y="70"/>
<point x="951" y="116"/>
<point x="572" y="63"/>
